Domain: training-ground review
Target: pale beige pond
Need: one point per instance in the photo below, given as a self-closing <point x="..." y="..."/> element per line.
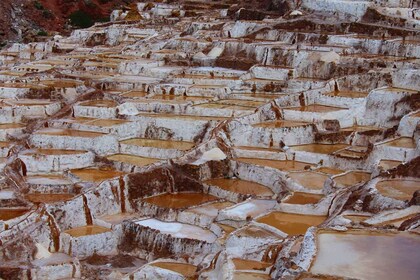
<point x="365" y="255"/>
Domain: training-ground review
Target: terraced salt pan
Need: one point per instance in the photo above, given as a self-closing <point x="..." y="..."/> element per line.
<point x="134" y="160"/>
<point x="280" y="124"/>
<point x="316" y="108"/>
<point x="211" y="209"/>
<point x="179" y="200"/>
<point x="330" y="171"/>
<point x="308" y="179"/>
<point x="303" y="198"/>
<point x="179" y="230"/>
<point x="243" y="264"/>
<point x="99" y="103"/>
<point x="319" y="148"/>
<point x="352" y="178"/>
<point x="95" y="175"/>
<point x="356" y="218"/>
<point x="240" y="186"/>
<point x="359" y="128"/>
<point x="53" y="152"/>
<point x="11" y="213"/>
<point x="47" y="180"/>
<point x="348" y="94"/>
<point x="97" y="122"/>
<point x="292" y="224"/>
<point x="403" y="142"/>
<point x="69" y="132"/>
<point x="185" y="269"/>
<point x="183" y="117"/>
<point x="401" y="189"/>
<point x="250" y="276"/>
<point x="11" y="125"/>
<point x="286" y="165"/>
<point x="368" y="255"/>
<point x="86" y="230"/>
<point x="389" y="164"/>
<point x="48" y="197"/>
<point x="162" y="144"/>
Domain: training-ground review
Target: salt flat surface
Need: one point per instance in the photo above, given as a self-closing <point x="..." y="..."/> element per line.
<point x="250" y="208"/>
<point x="179" y="230"/>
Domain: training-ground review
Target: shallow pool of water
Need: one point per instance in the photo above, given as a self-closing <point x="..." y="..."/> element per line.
<point x="241" y="186"/>
<point x="292" y="224"/>
<point x="364" y="255"/>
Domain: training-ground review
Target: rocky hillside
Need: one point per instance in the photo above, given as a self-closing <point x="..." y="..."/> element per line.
<point x="27" y="20"/>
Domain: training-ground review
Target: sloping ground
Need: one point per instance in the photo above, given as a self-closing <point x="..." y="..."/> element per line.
<point x="31" y="17"/>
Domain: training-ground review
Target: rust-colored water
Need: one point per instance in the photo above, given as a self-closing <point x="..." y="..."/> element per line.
<point x="241" y="102"/>
<point x="250" y="148"/>
<point x="350" y="154"/>
<point x="224" y="106"/>
<point x="292" y="224"/>
<point x="135" y="94"/>
<point x="349" y="94"/>
<point x="4" y="144"/>
<point x="11" y="125"/>
<point x="399" y="188"/>
<point x="183" y="117"/>
<point x="316" y="108"/>
<point x="134" y="160"/>
<point x="280" y="124"/>
<point x="61" y="83"/>
<point x="319" y="148"/>
<point x="179" y="200"/>
<point x="119" y="218"/>
<point x="70" y="132"/>
<point x="95" y="175"/>
<point x="250" y="276"/>
<point x="48" y="197"/>
<point x="243" y="264"/>
<point x="389" y="164"/>
<point x="105" y="122"/>
<point x="165" y="97"/>
<point x="8" y="214"/>
<point x="99" y="103"/>
<point x="162" y="144"/>
<point x="53" y="152"/>
<point x="309" y="179"/>
<point x="368" y="255"/>
<point x="188" y="270"/>
<point x="240" y="186"/>
<point x="304" y="198"/>
<point x="403" y="142"/>
<point x="352" y="178"/>
<point x="330" y="171"/>
<point x="286" y="165"/>
<point x="87" y="230"/>
<point x="226" y="228"/>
